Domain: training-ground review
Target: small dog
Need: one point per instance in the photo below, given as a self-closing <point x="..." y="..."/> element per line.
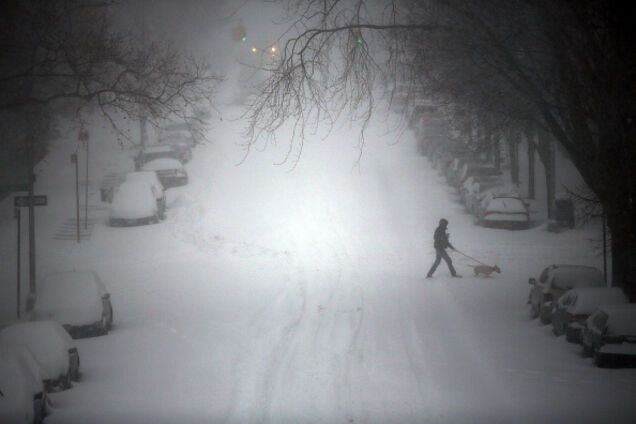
<point x="485" y="270"/>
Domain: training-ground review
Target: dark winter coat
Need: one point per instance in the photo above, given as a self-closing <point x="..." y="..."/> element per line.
<point x="440" y="238"/>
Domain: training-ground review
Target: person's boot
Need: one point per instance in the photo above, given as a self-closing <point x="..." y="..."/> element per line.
<point x="457" y="276"/>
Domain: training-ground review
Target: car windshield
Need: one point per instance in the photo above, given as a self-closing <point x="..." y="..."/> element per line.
<point x="506" y="205"/>
<point x="588" y="299"/>
<point x="148" y="176"/>
<point x="569" y="277"/>
<point x="162" y="164"/>
<point x="69" y="289"/>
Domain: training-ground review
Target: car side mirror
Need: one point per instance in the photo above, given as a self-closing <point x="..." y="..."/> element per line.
<point x="532" y="281"/>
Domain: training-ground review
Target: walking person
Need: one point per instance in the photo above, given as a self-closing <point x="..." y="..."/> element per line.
<point x="441" y="242"/>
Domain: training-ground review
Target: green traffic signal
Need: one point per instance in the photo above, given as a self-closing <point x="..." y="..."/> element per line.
<point x="244" y="38"/>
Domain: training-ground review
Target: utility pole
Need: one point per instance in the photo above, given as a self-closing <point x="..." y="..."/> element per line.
<point x="32" y="285"/>
<point x="16" y="214"/>
<point x="603" y="218"/>
<point x="77" y="202"/>
<point x="142" y="121"/>
<point x="83" y="138"/>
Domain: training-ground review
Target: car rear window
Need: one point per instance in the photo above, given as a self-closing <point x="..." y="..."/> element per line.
<point x="506" y="205"/>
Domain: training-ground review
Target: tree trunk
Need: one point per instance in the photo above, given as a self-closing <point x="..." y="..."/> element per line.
<point x="143" y="135"/>
<point x="513" y="154"/>
<point x="621" y="220"/>
<point x="531" y="154"/>
<point x="496" y="145"/>
<point x="546" y="153"/>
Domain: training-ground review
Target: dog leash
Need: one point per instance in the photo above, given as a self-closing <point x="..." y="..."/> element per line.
<point x="469" y="257"/>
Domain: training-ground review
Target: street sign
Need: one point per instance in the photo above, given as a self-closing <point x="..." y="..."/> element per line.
<point x="23" y="201"/>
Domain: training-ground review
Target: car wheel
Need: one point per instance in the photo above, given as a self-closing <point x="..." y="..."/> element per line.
<point x="65" y="381"/>
<point x="109" y="322"/>
<point x="38" y="411"/>
<point x="544" y="316"/>
<point x="155" y="219"/>
<point x="534" y="310"/>
<point x="102" y="330"/>
<point x="74" y="374"/>
<point x="600" y="360"/>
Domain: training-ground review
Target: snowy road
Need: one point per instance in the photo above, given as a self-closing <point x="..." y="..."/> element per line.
<point x="270" y="296"/>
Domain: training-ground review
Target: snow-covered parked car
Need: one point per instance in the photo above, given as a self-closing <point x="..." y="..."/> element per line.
<point x="134" y="203"/>
<point x="506" y="212"/>
<point x="475" y="169"/>
<point x="151" y="153"/>
<point x="576" y="305"/>
<point x="473" y="186"/>
<point x="23" y="397"/>
<point x="556" y="280"/>
<point x="609" y="335"/>
<point x="51" y="346"/>
<point x="76" y="299"/>
<point x="181" y="143"/>
<point x="157" y="188"/>
<point x="170" y="171"/>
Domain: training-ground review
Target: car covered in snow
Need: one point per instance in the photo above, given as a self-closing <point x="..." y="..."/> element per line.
<point x="181" y="143"/>
<point x="474" y="169"/>
<point x="134" y="203"/>
<point x="473" y="186"/>
<point x="23" y="397"/>
<point x="609" y="335"/>
<point x="576" y="305"/>
<point x="170" y="171"/>
<point x="76" y="299"/>
<point x="51" y="346"/>
<point x="507" y="212"/>
<point x="554" y="281"/>
<point x="151" y="153"/>
<point x="157" y="188"/>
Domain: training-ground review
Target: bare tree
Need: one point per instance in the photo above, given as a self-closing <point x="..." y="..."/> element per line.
<point x="63" y="52"/>
<point x="566" y="68"/>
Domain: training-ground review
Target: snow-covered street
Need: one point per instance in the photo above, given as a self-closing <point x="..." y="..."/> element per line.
<point x="280" y="295"/>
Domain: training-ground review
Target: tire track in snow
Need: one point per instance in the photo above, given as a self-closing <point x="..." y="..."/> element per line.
<point x="308" y="369"/>
<point x="449" y="344"/>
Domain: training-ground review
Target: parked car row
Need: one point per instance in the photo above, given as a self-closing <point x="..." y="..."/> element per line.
<point x="576" y="301"/>
<point x="480" y="186"/>
<point x="138" y="198"/>
<point x="39" y="356"/>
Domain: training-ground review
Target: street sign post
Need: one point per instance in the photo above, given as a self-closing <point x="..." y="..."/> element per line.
<point x="76" y="162"/>
<point x="26" y="201"/>
<point x="16" y="215"/>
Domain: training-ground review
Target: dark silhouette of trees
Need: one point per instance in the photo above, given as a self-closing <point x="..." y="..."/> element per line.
<point x="562" y="70"/>
<point x="65" y="54"/>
